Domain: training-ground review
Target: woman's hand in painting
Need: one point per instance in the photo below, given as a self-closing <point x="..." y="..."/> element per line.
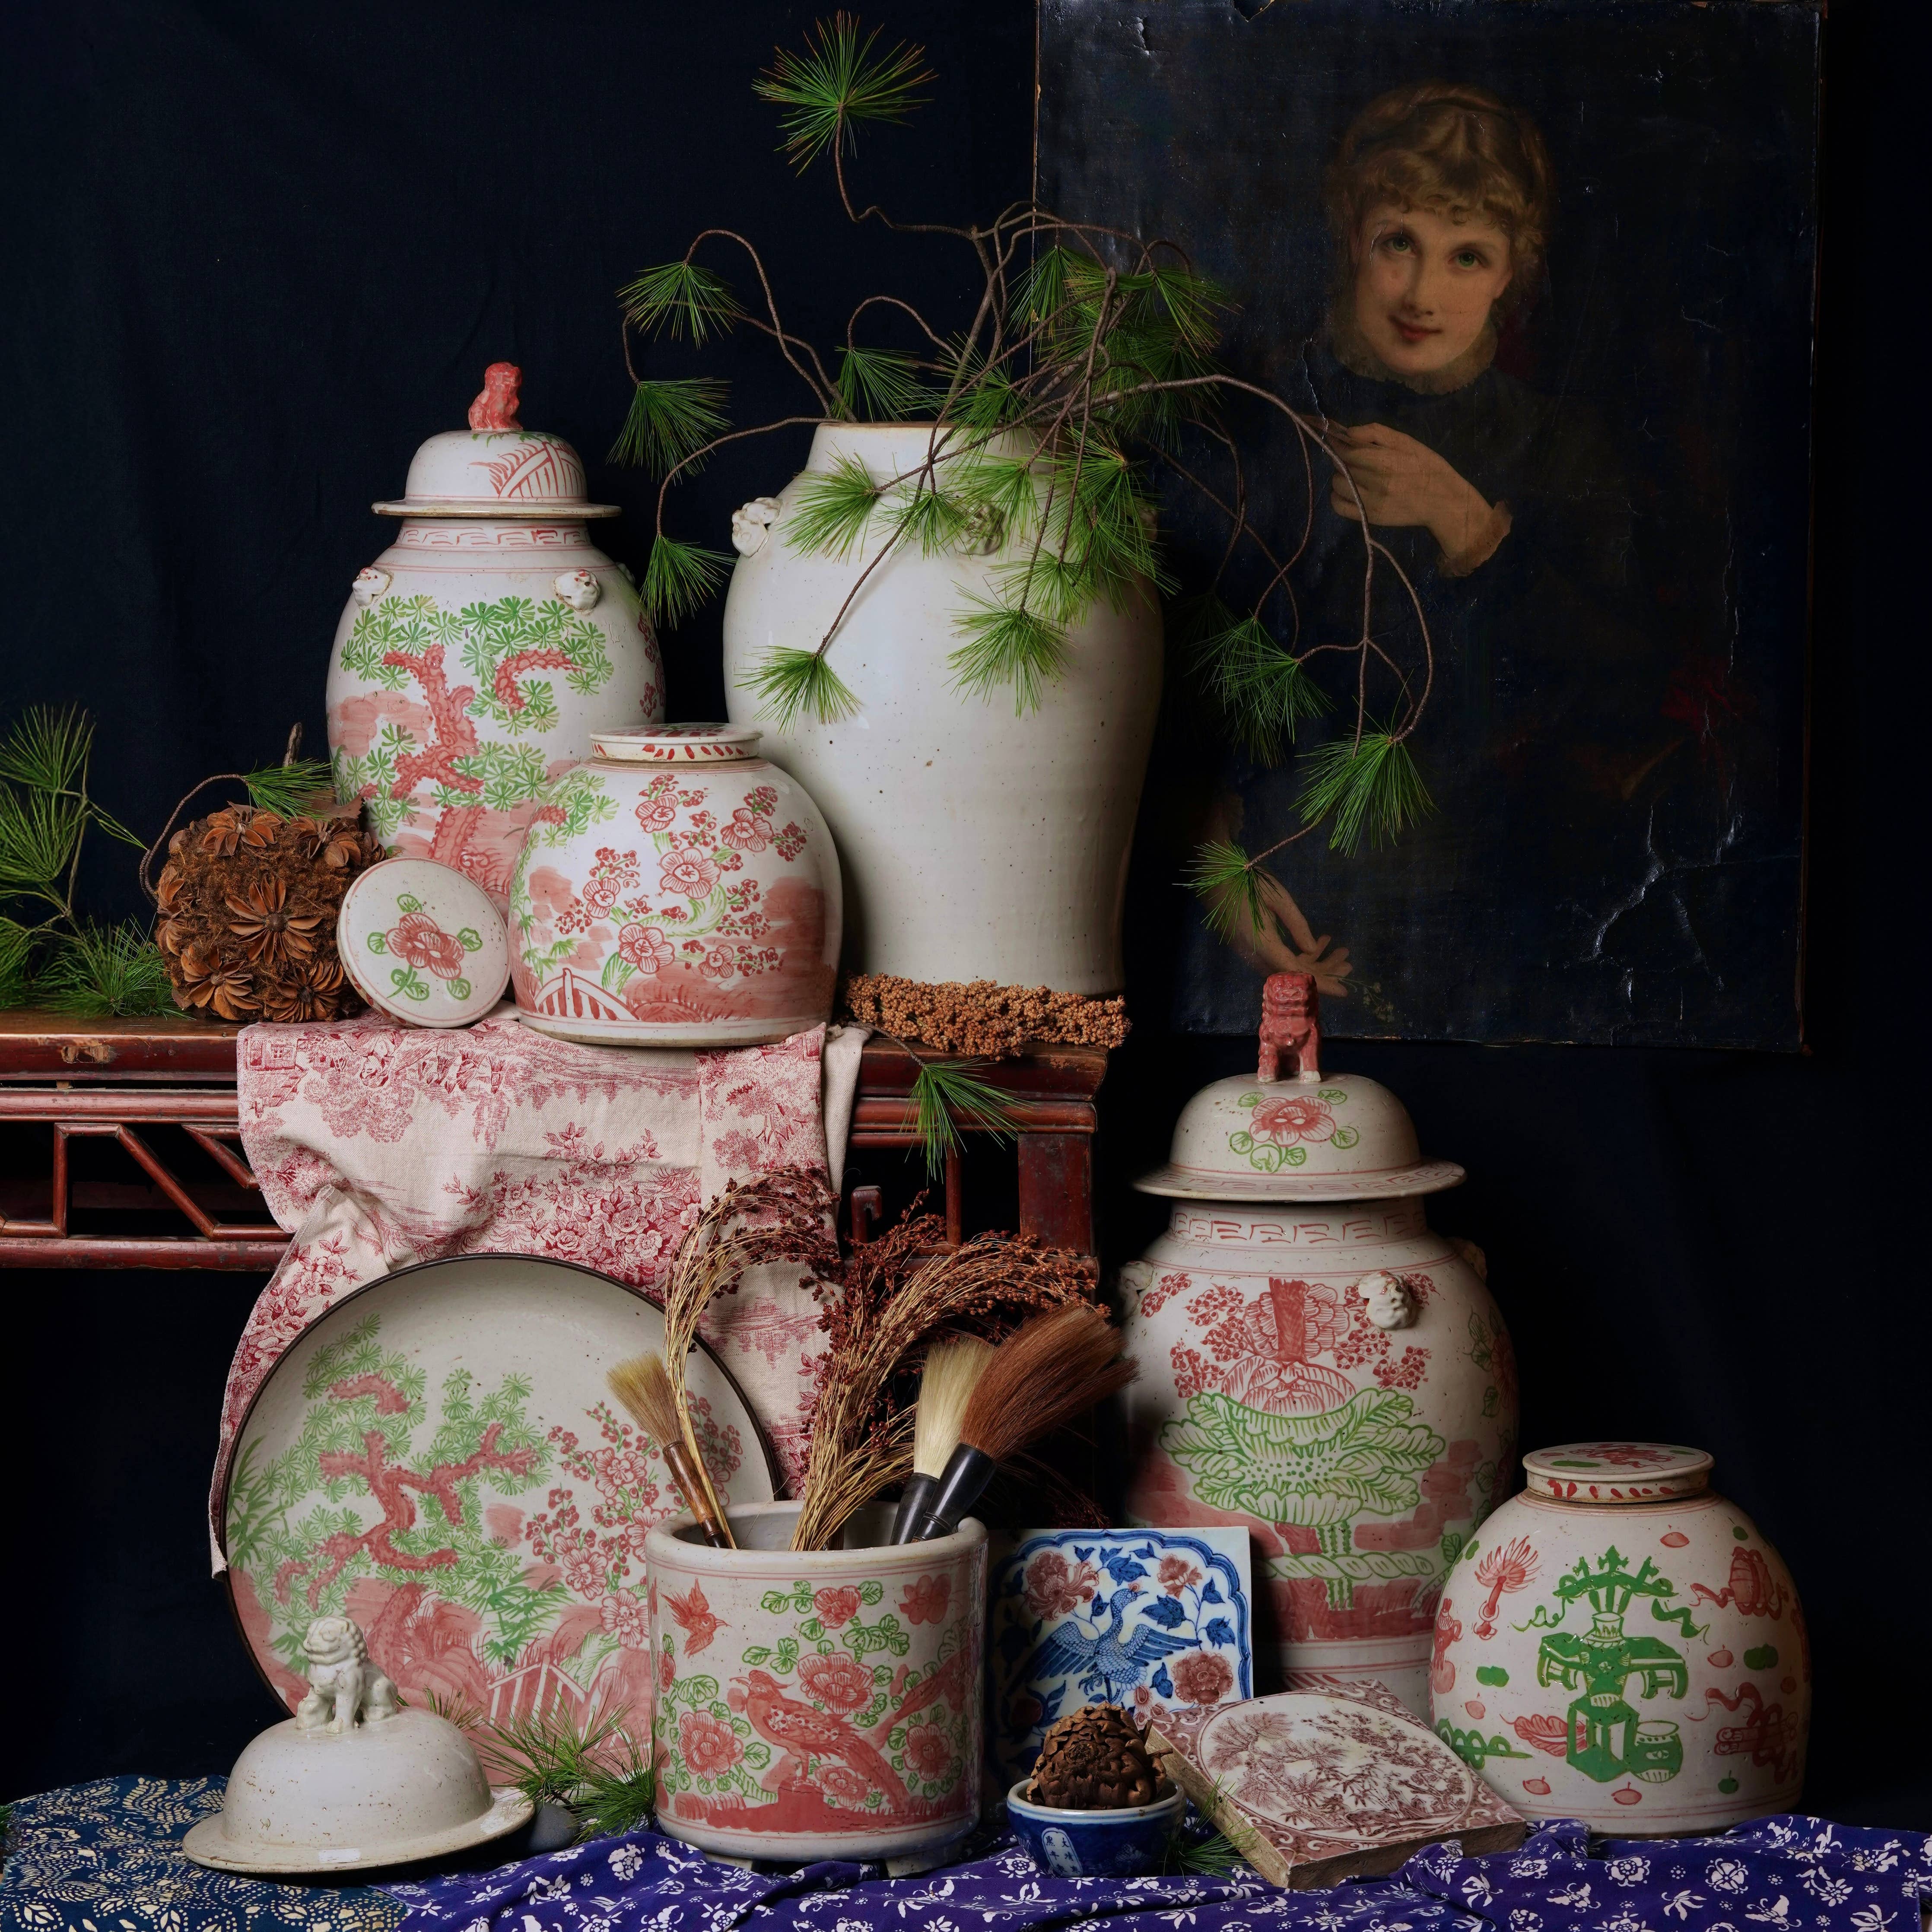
<point x="1403" y="483"/>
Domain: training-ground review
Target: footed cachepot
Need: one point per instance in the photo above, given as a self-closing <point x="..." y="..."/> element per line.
<point x="1620" y="1645"/>
<point x="476" y="653"/>
<point x="816" y="1703"/>
<point x="677" y="890"/>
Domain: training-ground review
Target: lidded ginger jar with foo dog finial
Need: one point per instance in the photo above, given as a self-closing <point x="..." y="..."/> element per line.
<point x="1315" y="1364"/>
<point x="476" y="655"/>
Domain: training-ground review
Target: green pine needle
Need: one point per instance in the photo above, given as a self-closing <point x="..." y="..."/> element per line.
<point x="596" y="1769"/>
<point x="38" y="832"/>
<point x="678" y="577"/>
<point x="1371" y="784"/>
<point x="290" y="788"/>
<point x="1007" y="644"/>
<point x="1262" y="688"/>
<point x="46" y="749"/>
<point x="928" y="516"/>
<point x="1228" y="885"/>
<point x="881" y="385"/>
<point x="677" y="297"/>
<point x="16" y="960"/>
<point x="101" y="971"/>
<point x="948" y="1095"/>
<point x="669" y="421"/>
<point x="791" y="684"/>
<point x="835" y="83"/>
<point x="831" y="509"/>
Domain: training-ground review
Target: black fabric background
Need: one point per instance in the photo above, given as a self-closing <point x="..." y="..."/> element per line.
<point x="253" y="254"/>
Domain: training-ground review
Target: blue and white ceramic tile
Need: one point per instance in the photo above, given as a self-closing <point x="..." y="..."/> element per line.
<point x="1145" y="1619"/>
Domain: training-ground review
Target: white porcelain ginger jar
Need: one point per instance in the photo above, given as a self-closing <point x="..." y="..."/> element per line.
<point x="676" y="890"/>
<point x="476" y="653"/>
<point x="818" y="1703"/>
<point x="1621" y="1644"/>
<point x="978" y="841"/>
<point x="1315" y="1363"/>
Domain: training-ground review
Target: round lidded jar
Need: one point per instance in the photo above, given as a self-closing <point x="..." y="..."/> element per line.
<point x="676" y="890"/>
<point x="476" y="652"/>
<point x="1620" y="1644"/>
<point x="1316" y="1364"/>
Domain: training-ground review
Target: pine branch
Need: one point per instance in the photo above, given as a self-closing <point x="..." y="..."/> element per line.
<point x="948" y="1095"/>
<point x="928" y="516"/>
<point x="16" y="961"/>
<point x="39" y="832"/>
<point x="1225" y="880"/>
<point x="1370" y="783"/>
<point x="670" y="423"/>
<point x="830" y="511"/>
<point x="792" y="683"/>
<point x="46" y="750"/>
<point x="1263" y="689"/>
<point x="288" y="788"/>
<point x="835" y="84"/>
<point x="106" y="971"/>
<point x="880" y="384"/>
<point x="678" y="577"/>
<point x="1007" y="644"/>
<point x="679" y="296"/>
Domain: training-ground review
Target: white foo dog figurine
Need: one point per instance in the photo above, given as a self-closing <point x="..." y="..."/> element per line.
<point x="344" y="1687"/>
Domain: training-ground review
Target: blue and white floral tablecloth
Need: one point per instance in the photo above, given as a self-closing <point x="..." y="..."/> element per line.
<point x="106" y="1857"/>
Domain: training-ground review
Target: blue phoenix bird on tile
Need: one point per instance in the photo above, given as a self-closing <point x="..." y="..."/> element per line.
<point x="1100" y="1663"/>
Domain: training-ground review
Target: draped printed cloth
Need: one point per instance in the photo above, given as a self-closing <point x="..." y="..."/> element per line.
<point x="378" y="1145"/>
<point x="106" y="1857"/>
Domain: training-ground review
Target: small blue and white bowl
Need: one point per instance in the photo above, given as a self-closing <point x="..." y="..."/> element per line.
<point x="1126" y="1843"/>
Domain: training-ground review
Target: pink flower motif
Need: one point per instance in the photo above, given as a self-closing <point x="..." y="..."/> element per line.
<point x="690" y="874"/>
<point x="836" y="1607"/>
<point x="839" y="1682"/>
<point x="1202" y="1677"/>
<point x="646" y="947"/>
<point x="718" y="964"/>
<point x="1293" y="1117"/>
<point x="625" y="1618"/>
<point x="710" y="1745"/>
<point x="1176" y="1574"/>
<point x="747" y="832"/>
<point x="583" y="1568"/>
<point x="1053" y="1590"/>
<point x="930" y="1754"/>
<point x="418" y="941"/>
<point x="667" y="1669"/>
<point x="925" y="1602"/>
<point x="791" y="842"/>
<point x="841" y="1782"/>
<point x="657" y="810"/>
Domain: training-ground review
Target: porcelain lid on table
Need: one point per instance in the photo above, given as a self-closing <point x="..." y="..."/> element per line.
<point x="1616" y="1472"/>
<point x="497" y="468"/>
<point x="422" y="943"/>
<point x="1290" y="1133"/>
<point x="678" y="745"/>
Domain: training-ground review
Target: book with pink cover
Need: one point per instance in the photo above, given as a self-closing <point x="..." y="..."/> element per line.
<point x="1314" y="1787"/>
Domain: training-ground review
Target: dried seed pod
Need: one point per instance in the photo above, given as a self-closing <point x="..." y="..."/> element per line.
<point x="248" y="900"/>
<point x="1094" y="1760"/>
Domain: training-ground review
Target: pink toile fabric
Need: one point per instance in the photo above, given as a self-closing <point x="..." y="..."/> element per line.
<point x="378" y="1145"/>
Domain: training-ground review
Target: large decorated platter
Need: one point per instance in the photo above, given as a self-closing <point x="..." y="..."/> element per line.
<point x="438" y="1457"/>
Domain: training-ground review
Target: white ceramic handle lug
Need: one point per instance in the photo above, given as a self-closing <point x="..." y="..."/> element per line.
<point x="578" y="589"/>
<point x="752" y="524"/>
<point x="1390" y="1305"/>
<point x="1478" y="1261"/>
<point x="1133" y="1278"/>
<point x="369" y="585"/>
<point x="345" y="1688"/>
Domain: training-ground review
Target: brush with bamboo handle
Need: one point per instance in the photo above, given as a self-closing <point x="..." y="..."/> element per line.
<point x="953" y="1367"/>
<point x="1044" y="1374"/>
<point x="642" y="1385"/>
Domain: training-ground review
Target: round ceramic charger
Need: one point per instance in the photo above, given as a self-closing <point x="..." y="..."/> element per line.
<point x="422" y="943"/>
<point x="439" y="1456"/>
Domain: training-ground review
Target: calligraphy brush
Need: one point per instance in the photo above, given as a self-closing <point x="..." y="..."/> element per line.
<point x="1042" y="1376"/>
<point x="953" y="1367"/>
<point x="642" y="1385"/>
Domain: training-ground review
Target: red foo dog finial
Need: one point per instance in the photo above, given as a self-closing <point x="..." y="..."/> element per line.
<point x="496" y="408"/>
<point x="1291" y="1030"/>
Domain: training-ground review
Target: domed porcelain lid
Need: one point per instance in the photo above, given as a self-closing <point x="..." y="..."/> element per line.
<point x="496" y="468"/>
<point x="678" y="745"/>
<point x="1616" y="1472"/>
<point x="1291" y="1133"/>
<point x="354" y="1780"/>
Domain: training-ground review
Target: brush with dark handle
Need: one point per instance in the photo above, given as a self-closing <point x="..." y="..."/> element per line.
<point x="696" y="1497"/>
<point x="967" y="1473"/>
<point x="914" y="1500"/>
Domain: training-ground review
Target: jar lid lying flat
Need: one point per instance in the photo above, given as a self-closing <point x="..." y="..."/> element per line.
<point x="1616" y="1472"/>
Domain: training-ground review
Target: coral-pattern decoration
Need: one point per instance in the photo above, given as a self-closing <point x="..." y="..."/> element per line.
<point x="378" y="1145"/>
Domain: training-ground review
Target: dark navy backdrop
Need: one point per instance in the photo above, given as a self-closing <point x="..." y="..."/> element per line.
<point x="253" y="253"/>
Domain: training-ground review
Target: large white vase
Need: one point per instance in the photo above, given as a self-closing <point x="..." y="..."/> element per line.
<point x="975" y="843"/>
